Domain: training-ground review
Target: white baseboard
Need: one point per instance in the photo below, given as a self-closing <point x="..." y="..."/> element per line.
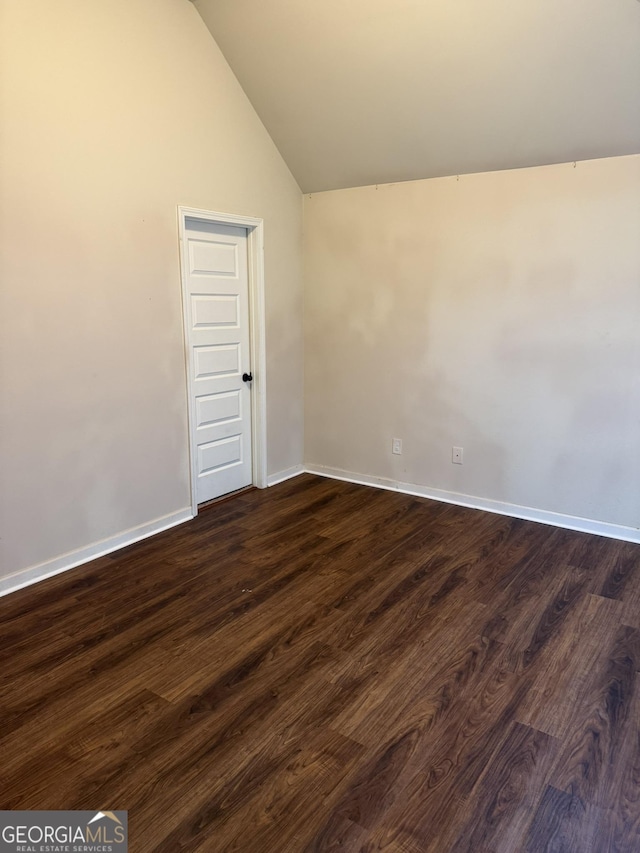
<point x="287" y="474"/>
<point x="33" y="574"/>
<point x="570" y="522"/>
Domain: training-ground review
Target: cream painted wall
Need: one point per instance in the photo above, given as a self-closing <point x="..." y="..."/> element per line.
<point x="111" y="115"/>
<point x="499" y="312"/>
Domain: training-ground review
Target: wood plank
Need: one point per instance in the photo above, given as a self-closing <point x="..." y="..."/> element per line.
<point x="567" y="663"/>
<point x="321" y="666"/>
<point x="595" y="743"/>
<point x="499" y="808"/>
<point x="563" y="822"/>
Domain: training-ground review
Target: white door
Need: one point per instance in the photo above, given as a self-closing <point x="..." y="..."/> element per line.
<point x="217" y="291"/>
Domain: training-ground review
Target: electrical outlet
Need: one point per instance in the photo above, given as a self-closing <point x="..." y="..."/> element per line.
<point x="456" y="455"/>
<point x="396" y="446"/>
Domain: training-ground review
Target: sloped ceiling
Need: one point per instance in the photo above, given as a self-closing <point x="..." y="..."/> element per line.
<point x="358" y="92"/>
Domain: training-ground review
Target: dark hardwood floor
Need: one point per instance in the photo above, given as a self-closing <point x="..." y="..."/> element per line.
<point x="323" y="667"/>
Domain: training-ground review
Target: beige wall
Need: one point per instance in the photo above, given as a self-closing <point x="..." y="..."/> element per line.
<point x="111" y="115"/>
<point x="499" y="312"/>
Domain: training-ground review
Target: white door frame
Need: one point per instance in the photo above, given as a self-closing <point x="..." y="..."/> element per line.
<point x="255" y="249"/>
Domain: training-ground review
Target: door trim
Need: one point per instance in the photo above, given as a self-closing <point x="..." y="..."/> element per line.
<point x="255" y="268"/>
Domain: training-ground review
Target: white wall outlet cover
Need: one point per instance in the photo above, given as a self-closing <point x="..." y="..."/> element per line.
<point x="456" y="455"/>
<point x="396" y="446"/>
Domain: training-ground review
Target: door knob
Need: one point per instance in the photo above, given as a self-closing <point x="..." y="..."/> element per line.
<point x="247" y="377"/>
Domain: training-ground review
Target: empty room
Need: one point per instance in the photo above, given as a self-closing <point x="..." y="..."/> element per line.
<point x="319" y="426"/>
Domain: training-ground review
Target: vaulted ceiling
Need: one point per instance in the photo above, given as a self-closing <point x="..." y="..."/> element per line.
<point x="360" y="92"/>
